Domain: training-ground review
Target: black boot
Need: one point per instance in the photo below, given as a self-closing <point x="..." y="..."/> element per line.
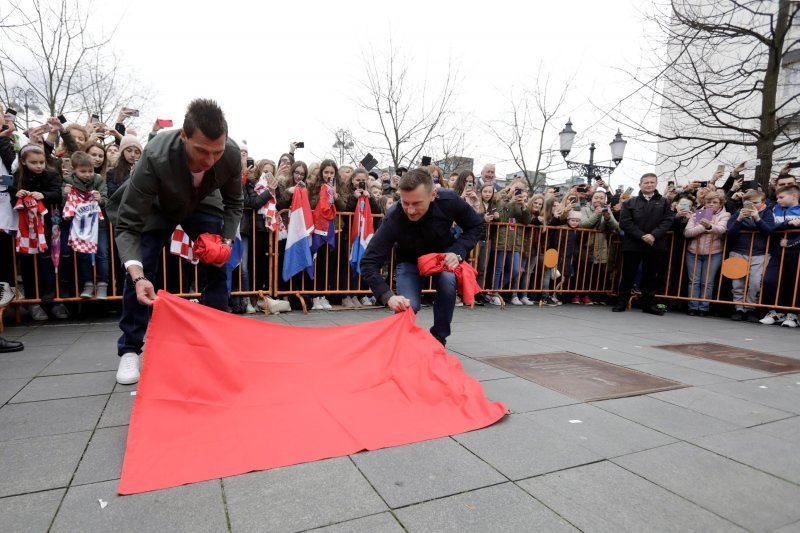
<point x="7" y="346"/>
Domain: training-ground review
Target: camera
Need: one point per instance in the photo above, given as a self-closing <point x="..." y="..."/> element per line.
<point x="517" y="192"/>
<point x="468" y="186"/>
<point x="605" y="209"/>
<point x="362" y="185"/>
<point x="250" y="162"/>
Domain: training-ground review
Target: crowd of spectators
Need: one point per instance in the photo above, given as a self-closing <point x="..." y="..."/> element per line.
<point x="689" y="228"/>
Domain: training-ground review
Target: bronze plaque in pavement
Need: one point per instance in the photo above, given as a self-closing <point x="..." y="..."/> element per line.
<point x="582" y="378"/>
<point x="774" y="364"/>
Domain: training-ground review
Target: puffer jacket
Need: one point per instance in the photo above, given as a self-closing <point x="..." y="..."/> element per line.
<point x="704" y="241"/>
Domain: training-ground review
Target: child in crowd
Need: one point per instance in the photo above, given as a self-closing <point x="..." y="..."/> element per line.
<point x="530" y="243"/>
<point x="567" y="242"/>
<point x="705" y="231"/>
<point x="84" y="194"/>
<point x="756" y="217"/>
<point x="783" y="258"/>
<point x="32" y="180"/>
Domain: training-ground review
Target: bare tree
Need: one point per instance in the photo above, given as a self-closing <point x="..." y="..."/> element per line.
<point x="46" y="50"/>
<point x="524" y="128"/>
<point x="718" y="78"/>
<point x="406" y="117"/>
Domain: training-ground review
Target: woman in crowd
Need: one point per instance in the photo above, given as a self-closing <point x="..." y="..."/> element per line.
<point x="706" y="233"/>
<point x="530" y="253"/>
<point x="97" y="151"/>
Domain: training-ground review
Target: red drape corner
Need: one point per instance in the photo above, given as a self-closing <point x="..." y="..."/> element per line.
<point x="222" y="395"/>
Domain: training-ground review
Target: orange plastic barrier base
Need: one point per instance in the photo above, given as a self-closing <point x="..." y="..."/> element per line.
<point x="222" y="395"/>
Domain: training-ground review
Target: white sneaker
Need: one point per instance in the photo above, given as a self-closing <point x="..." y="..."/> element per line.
<point x="325" y="303"/>
<point x="7" y="294"/>
<point x="248" y="308"/>
<point x="526" y="301"/>
<point x="459" y="303"/>
<point x="38" y="314"/>
<point x="88" y="290"/>
<point x="277" y="307"/>
<point x="355" y="302"/>
<point x="102" y="291"/>
<point x="347" y="303"/>
<point x="516" y="301"/>
<point x="128" y="370"/>
<point x="772" y="317"/>
<point x="495" y="300"/>
<point x="366" y="301"/>
<point x="791" y="320"/>
<point x="60" y="311"/>
<point x="373" y="300"/>
<point x="317" y="304"/>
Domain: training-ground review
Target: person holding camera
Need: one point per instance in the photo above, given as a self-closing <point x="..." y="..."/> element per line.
<point x="190" y="176"/>
<point x="597" y="215"/>
<point x="645" y="219"/>
<point x="421" y="225"/>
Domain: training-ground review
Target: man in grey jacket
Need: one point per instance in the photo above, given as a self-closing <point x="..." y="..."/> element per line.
<point x="190" y="177"/>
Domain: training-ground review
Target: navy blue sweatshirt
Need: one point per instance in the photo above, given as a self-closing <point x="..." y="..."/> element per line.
<point x="740" y="242"/>
<point x="411" y="240"/>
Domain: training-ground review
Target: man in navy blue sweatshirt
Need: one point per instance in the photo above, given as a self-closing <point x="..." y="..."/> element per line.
<point x="421" y="224"/>
<point x="756" y="218"/>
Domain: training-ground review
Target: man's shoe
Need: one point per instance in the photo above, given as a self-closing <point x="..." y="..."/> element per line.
<point x="652" y="310"/>
<point x="620" y="307"/>
<point x="773" y="317"/>
<point x="515" y="301"/>
<point x="102" y="291"/>
<point x="549" y="301"/>
<point x="738" y="316"/>
<point x="88" y="290"/>
<point x="752" y="317"/>
<point x="38" y="314"/>
<point x="60" y="311"/>
<point x="586" y="300"/>
<point x="791" y="321"/>
<point x="526" y="301"/>
<point x="128" y="370"/>
<point x="7" y="346"/>
<point x="317" y="305"/>
<point x="691" y="312"/>
<point x="7" y="294"/>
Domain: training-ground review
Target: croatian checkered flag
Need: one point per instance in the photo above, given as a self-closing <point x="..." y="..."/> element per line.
<point x="181" y="244"/>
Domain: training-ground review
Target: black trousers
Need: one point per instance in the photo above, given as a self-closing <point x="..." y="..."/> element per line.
<point x="652" y="262"/>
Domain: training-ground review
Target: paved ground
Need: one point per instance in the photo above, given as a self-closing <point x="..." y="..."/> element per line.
<point x="722" y="455"/>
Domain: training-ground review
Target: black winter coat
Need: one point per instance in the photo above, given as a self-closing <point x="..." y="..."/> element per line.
<point x="640" y="217"/>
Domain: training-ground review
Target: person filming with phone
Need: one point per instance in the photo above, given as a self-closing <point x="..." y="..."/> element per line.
<point x="190" y="176"/>
<point x="422" y="225"/>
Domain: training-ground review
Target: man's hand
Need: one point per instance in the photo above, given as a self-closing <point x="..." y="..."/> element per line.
<point x="145" y="292"/>
<point x="451" y="260"/>
<point x="398" y="303"/>
<point x="649" y="239"/>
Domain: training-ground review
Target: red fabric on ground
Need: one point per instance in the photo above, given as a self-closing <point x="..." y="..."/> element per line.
<point x="221" y="395"/>
<point x="466" y="275"/>
<point x="209" y="249"/>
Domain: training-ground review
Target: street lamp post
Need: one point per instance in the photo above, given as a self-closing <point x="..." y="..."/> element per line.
<point x="344" y="142"/>
<point x="591" y="171"/>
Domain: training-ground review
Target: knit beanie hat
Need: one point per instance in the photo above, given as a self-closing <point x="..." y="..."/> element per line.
<point x="128" y="141"/>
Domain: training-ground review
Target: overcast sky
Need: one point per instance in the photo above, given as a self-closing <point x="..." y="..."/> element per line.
<point x="287" y="71"/>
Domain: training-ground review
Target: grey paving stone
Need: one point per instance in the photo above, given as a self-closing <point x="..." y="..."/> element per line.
<point x="665" y="417"/>
<point x="71" y="386"/>
<point x="497" y="509"/>
<point x="520" y="448"/>
<point x="424" y="470"/>
<point x="118" y="410"/>
<point x="599" y="430"/>
<point x="197" y="507"/>
<point x="603" y="497"/>
<point x="720" y="406"/>
<point x="29" y="362"/>
<point x="377" y="523"/>
<point x="788" y="429"/>
<point x="790" y="528"/>
<point x="103" y="458"/>
<point x="50" y="337"/>
<point x="300" y="497"/>
<point x="773" y="392"/>
<point x="51" y="417"/>
<point x="680" y="374"/>
<point x="29" y="513"/>
<point x="39" y="463"/>
<point x="758" y="450"/>
<point x="743" y="495"/>
<point x="521" y="395"/>
<point x="482" y="371"/>
<point x="9" y="387"/>
<point x="81" y="358"/>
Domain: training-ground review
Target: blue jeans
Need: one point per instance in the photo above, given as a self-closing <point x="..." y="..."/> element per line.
<point x="100" y="261"/>
<point x="699" y="287"/>
<point x="506" y="268"/>
<point x="409" y="285"/>
<point x="213" y="280"/>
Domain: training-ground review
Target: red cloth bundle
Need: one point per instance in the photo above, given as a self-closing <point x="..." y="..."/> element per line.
<point x="209" y="249"/>
<point x="221" y="395"/>
<point x="468" y="287"/>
